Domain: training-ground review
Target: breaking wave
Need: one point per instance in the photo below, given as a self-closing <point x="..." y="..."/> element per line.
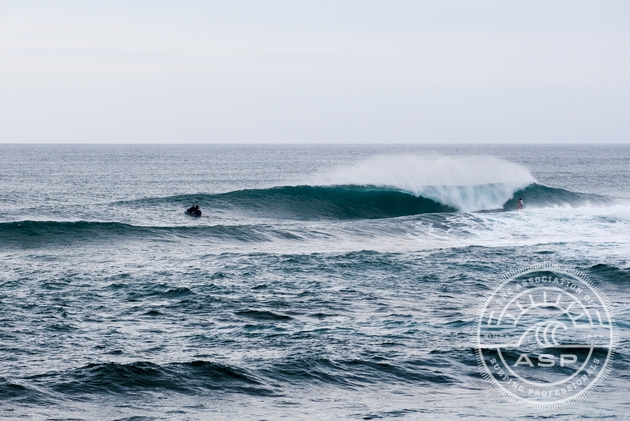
<point x="393" y="186"/>
<point x="375" y="202"/>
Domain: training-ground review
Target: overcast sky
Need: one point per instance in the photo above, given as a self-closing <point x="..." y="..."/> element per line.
<point x="315" y="71"/>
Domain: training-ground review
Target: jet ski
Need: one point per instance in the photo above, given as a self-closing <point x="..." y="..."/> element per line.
<point x="193" y="211"/>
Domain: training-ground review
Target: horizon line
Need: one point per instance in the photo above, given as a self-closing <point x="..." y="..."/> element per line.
<point x="309" y="144"/>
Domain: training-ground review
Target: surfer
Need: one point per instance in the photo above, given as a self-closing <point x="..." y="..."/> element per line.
<point x="520" y="204"/>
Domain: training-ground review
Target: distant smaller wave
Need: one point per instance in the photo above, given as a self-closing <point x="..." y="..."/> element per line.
<point x="611" y="273"/>
<point x="200" y="377"/>
<point x="356" y="372"/>
<point x="186" y="378"/>
<point x="26" y="234"/>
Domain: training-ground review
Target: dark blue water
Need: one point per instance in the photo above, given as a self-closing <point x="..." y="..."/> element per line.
<point x="321" y="282"/>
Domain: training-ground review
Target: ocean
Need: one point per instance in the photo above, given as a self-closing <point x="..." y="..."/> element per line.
<point x="320" y="282"/>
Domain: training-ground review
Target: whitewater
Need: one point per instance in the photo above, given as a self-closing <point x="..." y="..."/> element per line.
<point x="336" y="282"/>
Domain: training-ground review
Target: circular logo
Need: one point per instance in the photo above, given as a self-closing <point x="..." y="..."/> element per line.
<point x="545" y="336"/>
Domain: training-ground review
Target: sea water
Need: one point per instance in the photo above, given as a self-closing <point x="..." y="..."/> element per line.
<point x="321" y="282"/>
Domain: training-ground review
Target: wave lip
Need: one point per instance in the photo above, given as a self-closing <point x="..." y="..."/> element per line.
<point x="334" y="202"/>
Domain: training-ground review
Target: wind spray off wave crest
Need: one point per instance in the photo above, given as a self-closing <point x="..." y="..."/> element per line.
<point x="467" y="183"/>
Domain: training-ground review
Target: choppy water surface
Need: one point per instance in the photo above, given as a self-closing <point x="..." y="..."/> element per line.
<point x="321" y="282"/>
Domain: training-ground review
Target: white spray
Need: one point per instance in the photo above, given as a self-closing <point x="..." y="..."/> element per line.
<point x="468" y="183"/>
